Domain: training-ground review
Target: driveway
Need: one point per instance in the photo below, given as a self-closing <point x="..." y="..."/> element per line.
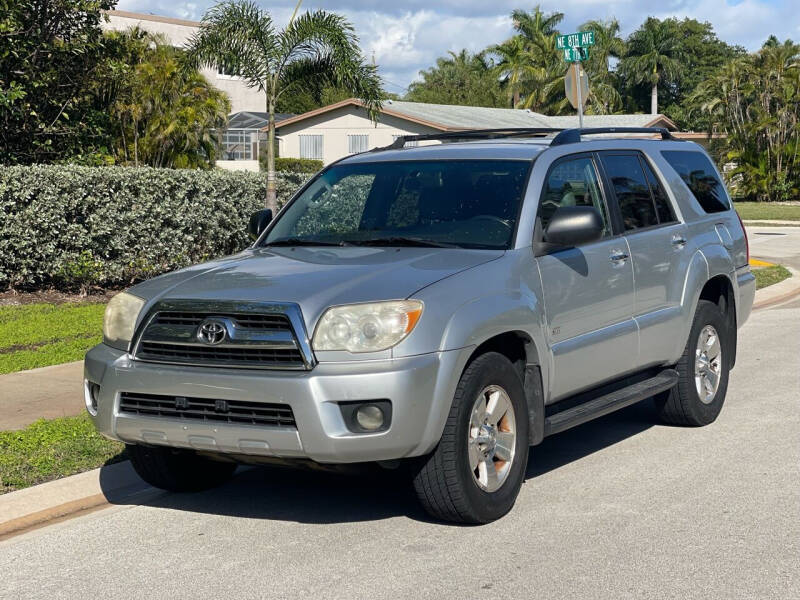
<point x="617" y="508"/>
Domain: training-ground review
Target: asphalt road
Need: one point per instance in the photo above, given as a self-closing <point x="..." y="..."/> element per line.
<point x="618" y="508"/>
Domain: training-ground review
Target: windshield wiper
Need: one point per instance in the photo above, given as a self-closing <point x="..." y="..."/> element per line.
<point x="402" y="241"/>
<point x="302" y="242"/>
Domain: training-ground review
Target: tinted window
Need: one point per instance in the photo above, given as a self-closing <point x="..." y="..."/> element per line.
<point x="663" y="208"/>
<point x="631" y="189"/>
<point x="698" y="173"/>
<point x="572" y="182"/>
<point x="470" y="203"/>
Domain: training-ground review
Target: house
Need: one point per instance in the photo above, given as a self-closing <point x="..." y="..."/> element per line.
<point x="333" y="132"/>
<point x="244" y="140"/>
<point x="178" y="32"/>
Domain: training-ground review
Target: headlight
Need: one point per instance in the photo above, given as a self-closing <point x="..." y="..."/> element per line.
<point x="119" y="320"/>
<point x="367" y="327"/>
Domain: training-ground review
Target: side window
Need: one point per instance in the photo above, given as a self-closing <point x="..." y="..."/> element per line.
<point x="572" y="182"/>
<point x="631" y="189"/>
<point x="663" y="207"/>
<point x="700" y="176"/>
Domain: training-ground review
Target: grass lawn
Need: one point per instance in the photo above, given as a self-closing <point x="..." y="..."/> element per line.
<point x="754" y="211"/>
<point x="770" y="275"/>
<point x="38" y="335"/>
<point x="49" y="449"/>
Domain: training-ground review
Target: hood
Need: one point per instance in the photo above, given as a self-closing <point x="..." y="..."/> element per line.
<point x="315" y="278"/>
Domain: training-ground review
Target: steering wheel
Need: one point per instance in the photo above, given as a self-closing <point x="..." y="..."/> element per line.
<point x="492" y="218"/>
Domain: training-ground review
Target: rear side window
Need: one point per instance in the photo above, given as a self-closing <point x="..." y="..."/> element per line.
<point x="663" y="208"/>
<point x="700" y="176"/>
<point x="631" y="189"/>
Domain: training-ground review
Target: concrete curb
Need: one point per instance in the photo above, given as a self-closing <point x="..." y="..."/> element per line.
<point x="771" y="222"/>
<point x="32" y="507"/>
<point x="779" y="292"/>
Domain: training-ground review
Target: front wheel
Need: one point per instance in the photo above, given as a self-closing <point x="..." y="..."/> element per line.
<point x="703" y="371"/>
<point x="475" y="473"/>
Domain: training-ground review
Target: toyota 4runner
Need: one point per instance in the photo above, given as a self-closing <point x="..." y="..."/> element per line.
<point x="446" y="305"/>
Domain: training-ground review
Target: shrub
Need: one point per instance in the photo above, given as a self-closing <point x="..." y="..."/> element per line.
<point x="76" y="226"/>
<point x="295" y="165"/>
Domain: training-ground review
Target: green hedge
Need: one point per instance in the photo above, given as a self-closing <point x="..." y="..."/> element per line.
<point x="75" y="227"/>
<point x="295" y="165"/>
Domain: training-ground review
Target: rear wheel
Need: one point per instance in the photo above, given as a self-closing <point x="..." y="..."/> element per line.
<point x="178" y="470"/>
<point x="703" y="369"/>
<point x="475" y="473"/>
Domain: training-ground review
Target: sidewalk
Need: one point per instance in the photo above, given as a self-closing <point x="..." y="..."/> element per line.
<point x="47" y="393"/>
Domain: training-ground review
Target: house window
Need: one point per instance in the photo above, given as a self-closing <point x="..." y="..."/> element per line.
<point x="311" y="146"/>
<point x="225" y="72"/>
<point x="357" y="143"/>
<point x="240" y="144"/>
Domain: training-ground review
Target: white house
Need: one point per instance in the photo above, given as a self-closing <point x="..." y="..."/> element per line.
<point x="178" y="32"/>
<point x="332" y="132"/>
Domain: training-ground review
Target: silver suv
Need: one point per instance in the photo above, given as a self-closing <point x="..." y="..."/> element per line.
<point x="444" y="307"/>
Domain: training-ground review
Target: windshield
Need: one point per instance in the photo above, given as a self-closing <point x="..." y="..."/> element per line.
<point x="463" y="203"/>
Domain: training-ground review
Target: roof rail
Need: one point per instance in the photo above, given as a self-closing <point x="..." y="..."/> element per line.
<point x="573" y="136"/>
<point x="471" y="134"/>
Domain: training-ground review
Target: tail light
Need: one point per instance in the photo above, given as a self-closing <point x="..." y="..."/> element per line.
<point x="746" y="241"/>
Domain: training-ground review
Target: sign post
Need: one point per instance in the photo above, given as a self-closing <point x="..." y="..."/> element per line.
<point x="575" y="47"/>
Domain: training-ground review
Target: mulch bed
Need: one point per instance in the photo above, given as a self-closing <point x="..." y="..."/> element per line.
<point x="14" y="298"/>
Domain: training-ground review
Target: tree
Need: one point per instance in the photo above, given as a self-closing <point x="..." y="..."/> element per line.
<point x="49" y="55"/>
<point x="464" y="78"/>
<point x="653" y="57"/>
<point x="604" y="96"/>
<point x="512" y="66"/>
<point x="755" y="101"/>
<point x="316" y="50"/>
<point x="168" y="115"/>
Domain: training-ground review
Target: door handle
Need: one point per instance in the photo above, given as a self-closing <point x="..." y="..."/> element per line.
<point x="618" y="256"/>
<point x="678" y="241"/>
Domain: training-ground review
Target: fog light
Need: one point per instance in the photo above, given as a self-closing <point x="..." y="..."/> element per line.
<point x="91" y="391"/>
<point x="370" y="417"/>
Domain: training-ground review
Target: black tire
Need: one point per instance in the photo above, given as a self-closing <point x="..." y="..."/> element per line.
<point x="178" y="470"/>
<point x="444" y="483"/>
<point x="682" y="404"/>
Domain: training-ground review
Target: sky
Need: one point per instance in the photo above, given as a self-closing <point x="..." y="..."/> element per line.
<point x="408" y="35"/>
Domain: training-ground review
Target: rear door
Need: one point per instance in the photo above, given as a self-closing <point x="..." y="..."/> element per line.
<point x="657" y="242"/>
<point x="588" y="290"/>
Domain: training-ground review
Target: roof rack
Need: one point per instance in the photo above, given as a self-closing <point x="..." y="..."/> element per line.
<point x="573" y="136"/>
<point x="472" y="134"/>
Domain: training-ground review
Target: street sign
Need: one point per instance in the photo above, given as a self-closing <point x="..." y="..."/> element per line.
<point x="575" y="54"/>
<point x="577" y="97"/>
<point x="582" y="39"/>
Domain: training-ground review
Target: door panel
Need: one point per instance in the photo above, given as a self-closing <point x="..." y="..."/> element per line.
<point x="588" y="301"/>
<point x="588" y="290"/>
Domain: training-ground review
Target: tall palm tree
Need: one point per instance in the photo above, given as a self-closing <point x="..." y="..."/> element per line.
<point x="514" y="60"/>
<point x="604" y="97"/>
<point x="653" y="56"/>
<point x="315" y="49"/>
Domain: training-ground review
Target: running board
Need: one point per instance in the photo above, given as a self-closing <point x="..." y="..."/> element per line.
<point x="603" y="405"/>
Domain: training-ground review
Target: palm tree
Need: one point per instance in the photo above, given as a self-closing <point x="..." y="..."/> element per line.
<point x="604" y="97"/>
<point x="653" y="56"/>
<point x="315" y="49"/>
<point x="514" y="59"/>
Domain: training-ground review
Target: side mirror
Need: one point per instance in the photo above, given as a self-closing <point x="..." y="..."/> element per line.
<point x="574" y="225"/>
<point x="258" y="223"/>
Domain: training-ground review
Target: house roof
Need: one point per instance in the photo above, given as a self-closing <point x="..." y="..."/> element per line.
<point x="248" y="119"/>
<point x="446" y="117"/>
<point x="145" y="17"/>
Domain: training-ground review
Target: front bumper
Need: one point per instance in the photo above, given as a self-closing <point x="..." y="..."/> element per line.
<point x="420" y="388"/>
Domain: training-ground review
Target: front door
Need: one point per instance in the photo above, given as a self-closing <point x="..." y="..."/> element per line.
<point x="588" y="290"/>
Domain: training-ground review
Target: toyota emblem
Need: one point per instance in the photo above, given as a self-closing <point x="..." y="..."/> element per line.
<point x="212" y="332"/>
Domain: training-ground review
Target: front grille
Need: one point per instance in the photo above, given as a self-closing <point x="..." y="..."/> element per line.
<point x="247" y="321"/>
<point x="256" y="336"/>
<point x="222" y="356"/>
<point x="207" y="409"/>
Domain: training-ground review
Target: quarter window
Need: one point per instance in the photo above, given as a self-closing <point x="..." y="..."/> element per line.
<point x="663" y="208"/>
<point x="572" y="182"/>
<point x="632" y="190"/>
<point x="311" y="146"/>
<point x="700" y="176"/>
